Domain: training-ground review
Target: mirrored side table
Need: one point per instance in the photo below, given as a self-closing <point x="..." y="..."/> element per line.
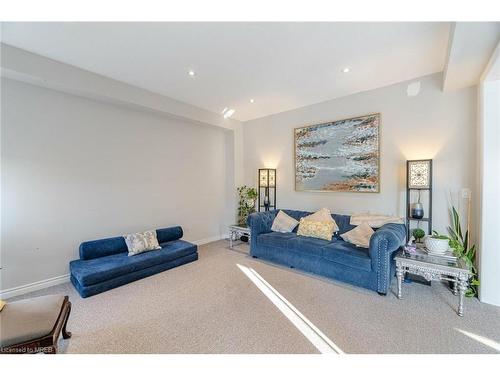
<point x="433" y="267"/>
<point x="235" y="233"/>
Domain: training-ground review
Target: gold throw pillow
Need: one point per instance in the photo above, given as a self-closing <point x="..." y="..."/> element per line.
<point x="323" y="215"/>
<point x="317" y="229"/>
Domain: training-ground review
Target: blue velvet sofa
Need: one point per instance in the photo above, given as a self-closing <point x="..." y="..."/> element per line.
<point x="370" y="268"/>
<point x="104" y="264"/>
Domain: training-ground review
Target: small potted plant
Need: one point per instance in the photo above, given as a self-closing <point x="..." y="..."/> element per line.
<point x="418" y="233"/>
<point x="437" y="243"/>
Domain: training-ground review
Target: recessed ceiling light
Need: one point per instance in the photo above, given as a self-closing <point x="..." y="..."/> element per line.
<point x="251" y="100"/>
<point x="192" y="73"/>
<point x="227" y="112"/>
<point x="346" y="70"/>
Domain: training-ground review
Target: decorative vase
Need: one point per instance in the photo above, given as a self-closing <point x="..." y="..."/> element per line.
<point x="417" y="211"/>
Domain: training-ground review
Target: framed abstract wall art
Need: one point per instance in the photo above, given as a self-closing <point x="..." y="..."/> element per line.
<point x="339" y="156"/>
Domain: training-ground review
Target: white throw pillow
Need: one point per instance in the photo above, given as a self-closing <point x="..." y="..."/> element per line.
<point x="283" y="223"/>
<point x="152" y="240"/>
<point x="375" y="220"/>
<point x="323" y="215"/>
<point x="140" y="242"/>
<point x="359" y="236"/>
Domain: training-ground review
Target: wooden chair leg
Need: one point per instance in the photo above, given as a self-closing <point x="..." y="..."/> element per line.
<point x="65" y="333"/>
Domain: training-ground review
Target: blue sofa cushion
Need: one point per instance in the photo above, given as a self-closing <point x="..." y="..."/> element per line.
<point x="102" y="248"/>
<point x="275" y="239"/>
<point x="307" y="245"/>
<point x="347" y="254"/>
<point x="93" y="271"/>
<point x="87" y="291"/>
<point x="169" y="234"/>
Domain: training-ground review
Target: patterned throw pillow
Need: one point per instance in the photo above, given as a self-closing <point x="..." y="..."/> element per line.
<point x="283" y="223"/>
<point x="323" y="215"/>
<point x="359" y="236"/>
<point x="140" y="242"/>
<point x="151" y="240"/>
<point x="317" y="229"/>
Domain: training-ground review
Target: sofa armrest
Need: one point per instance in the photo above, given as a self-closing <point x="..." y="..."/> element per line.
<point x="383" y="243"/>
<point x="259" y="223"/>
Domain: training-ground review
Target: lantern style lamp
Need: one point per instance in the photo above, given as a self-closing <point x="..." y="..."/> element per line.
<point x="267" y="189"/>
<point x="419" y="174"/>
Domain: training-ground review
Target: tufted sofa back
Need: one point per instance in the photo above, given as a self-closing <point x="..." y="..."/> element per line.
<point x="341" y="220"/>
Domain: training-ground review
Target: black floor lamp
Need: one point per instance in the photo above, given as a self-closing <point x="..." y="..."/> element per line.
<point x="267" y="189"/>
<point x="418" y="179"/>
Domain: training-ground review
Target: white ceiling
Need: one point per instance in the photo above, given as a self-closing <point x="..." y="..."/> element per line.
<point x="281" y="65"/>
<point x="471" y="47"/>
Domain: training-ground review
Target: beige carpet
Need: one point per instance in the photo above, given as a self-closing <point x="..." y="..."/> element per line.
<point x="210" y="306"/>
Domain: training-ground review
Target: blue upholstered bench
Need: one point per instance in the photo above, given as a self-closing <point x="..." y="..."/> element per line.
<point x="104" y="264"/>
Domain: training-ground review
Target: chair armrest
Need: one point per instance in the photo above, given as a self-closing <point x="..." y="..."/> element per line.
<point x="383" y="243"/>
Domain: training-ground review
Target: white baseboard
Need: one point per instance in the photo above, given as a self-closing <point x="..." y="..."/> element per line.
<point x="23" y="289"/>
<point x="209" y="239"/>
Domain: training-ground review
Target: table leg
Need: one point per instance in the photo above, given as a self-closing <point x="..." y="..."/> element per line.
<point x="399" y="274"/>
<point x="455" y="286"/>
<point x="231" y="234"/>
<point x="462" y="287"/>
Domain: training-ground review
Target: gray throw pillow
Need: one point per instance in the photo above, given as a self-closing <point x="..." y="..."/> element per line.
<point x="140" y="242"/>
<point x="283" y="223"/>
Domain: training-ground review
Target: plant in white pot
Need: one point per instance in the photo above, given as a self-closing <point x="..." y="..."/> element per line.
<point x="437" y="244"/>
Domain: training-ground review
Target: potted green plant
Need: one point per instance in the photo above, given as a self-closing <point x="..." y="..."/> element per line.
<point x="459" y="242"/>
<point x="418" y="233"/>
<point x="246" y="203"/>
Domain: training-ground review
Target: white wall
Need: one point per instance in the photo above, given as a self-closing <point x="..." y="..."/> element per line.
<point x="431" y="125"/>
<point x="488" y="166"/>
<point x="75" y="169"/>
<point x="489" y="163"/>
